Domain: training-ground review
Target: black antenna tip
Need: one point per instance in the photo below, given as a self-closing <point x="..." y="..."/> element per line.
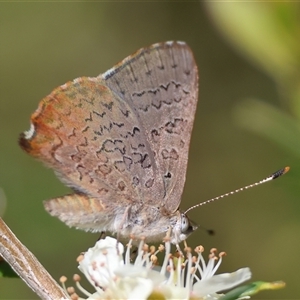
<point x="280" y="172"/>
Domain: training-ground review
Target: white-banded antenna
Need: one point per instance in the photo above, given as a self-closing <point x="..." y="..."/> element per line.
<point x="269" y="178"/>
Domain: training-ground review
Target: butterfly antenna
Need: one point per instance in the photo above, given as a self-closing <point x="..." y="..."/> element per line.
<point x="269" y="178"/>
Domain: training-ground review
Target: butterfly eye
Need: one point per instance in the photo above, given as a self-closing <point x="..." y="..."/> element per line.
<point x="186" y="226"/>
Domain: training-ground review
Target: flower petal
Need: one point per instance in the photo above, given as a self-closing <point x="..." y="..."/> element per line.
<point x="221" y="282"/>
<point x="133" y="288"/>
<point x="171" y="292"/>
<point x="139" y="271"/>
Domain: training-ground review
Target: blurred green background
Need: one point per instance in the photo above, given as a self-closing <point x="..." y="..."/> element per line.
<point x="247" y="122"/>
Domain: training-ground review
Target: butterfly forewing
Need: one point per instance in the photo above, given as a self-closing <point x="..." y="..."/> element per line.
<point x="160" y="83"/>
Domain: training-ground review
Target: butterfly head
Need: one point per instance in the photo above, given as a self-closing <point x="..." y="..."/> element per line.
<point x="183" y="228"/>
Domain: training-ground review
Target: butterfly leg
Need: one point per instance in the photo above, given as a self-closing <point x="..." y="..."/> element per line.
<point x="124" y="218"/>
<point x="102" y="235"/>
<point x="177" y="245"/>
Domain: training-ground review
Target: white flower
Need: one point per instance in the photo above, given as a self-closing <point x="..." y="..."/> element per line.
<point x="100" y="262"/>
<point x="116" y="278"/>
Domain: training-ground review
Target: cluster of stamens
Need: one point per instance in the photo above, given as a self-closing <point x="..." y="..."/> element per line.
<point x="175" y="269"/>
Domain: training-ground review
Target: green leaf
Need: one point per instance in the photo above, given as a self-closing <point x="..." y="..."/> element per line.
<point x="252" y="289"/>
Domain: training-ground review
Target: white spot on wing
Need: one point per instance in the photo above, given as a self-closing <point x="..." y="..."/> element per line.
<point x="108" y="73"/>
<point x="93" y="79"/>
<point x="77" y="80"/>
<point x="169" y="43"/>
<point x="29" y="133"/>
<point x="64" y="86"/>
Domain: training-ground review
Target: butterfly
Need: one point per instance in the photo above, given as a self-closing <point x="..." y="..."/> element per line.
<point x="120" y="141"/>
